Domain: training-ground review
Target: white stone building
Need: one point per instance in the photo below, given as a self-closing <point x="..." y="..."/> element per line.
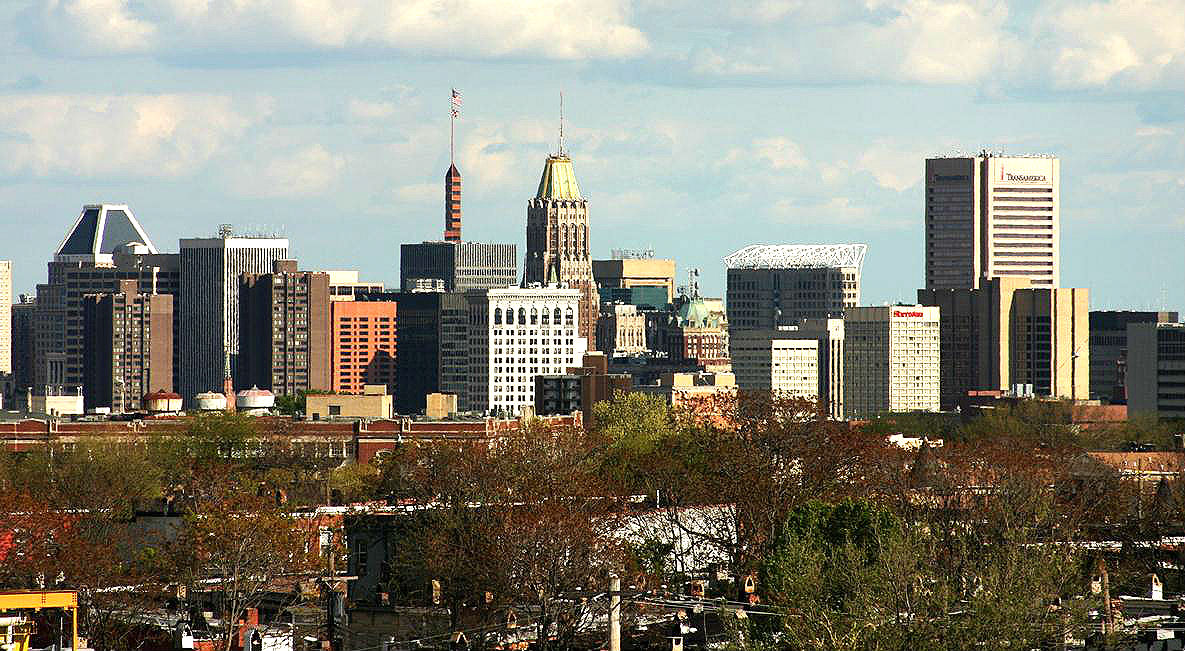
<point x="516" y="334"/>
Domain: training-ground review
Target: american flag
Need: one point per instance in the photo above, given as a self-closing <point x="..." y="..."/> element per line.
<point x="455" y="103"/>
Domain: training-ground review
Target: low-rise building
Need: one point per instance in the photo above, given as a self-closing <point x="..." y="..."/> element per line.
<point x="780" y="361"/>
<point x="580" y="388"/>
<point x="621" y="330"/>
<point x="373" y="402"/>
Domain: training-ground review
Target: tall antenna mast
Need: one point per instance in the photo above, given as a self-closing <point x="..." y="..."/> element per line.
<point x="561" y="123"/>
<point x="454" y="113"/>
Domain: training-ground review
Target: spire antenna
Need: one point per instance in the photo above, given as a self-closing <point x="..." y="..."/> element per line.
<point x="561" y="123"/>
<point x="453" y="113"/>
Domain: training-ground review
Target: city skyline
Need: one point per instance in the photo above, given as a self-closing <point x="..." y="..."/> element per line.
<point x="296" y="132"/>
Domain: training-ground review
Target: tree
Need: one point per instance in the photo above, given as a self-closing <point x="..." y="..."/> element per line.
<point x="241" y="548"/>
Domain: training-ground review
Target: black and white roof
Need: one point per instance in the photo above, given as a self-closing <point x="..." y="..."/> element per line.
<point x="101" y="229"/>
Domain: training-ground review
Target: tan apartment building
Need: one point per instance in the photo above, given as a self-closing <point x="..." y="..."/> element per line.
<point x="127" y="347"/>
<point x="990" y="216"/>
<point x="891" y="358"/>
<point x="284" y="330"/>
<point x="783" y="362"/>
<point x="1008" y="333"/>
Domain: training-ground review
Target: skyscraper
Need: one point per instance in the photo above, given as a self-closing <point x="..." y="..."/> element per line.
<point x="460" y="265"/>
<point x="105" y="245"/>
<point x="558" y="239"/>
<point x="992" y="216"/>
<point x="284" y="330"/>
<point x="128" y="351"/>
<point x="776" y="285"/>
<point x="209" y="314"/>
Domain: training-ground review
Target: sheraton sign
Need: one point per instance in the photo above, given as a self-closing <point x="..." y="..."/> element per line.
<point x="902" y="314"/>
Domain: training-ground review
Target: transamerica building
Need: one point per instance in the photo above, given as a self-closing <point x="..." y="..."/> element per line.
<point x="992" y="216"/>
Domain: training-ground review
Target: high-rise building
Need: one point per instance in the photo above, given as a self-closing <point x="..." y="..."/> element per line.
<point x="776" y="285"/>
<point x="105" y="245"/>
<point x="284" y="340"/>
<point x="516" y="335"/>
<point x="1108" y="349"/>
<point x="24" y="339"/>
<point x="460" y="265"/>
<point x="364" y="345"/>
<point x="209" y="313"/>
<point x="635" y="272"/>
<point x="765" y="359"/>
<point x="991" y="216"/>
<point x="433" y="347"/>
<point x="1008" y="333"/>
<point x="5" y="316"/>
<point x="779" y="361"/>
<point x="128" y="348"/>
<point x="891" y="360"/>
<point x="558" y="239"/>
<point x="452" y="204"/>
<point x="1156" y="369"/>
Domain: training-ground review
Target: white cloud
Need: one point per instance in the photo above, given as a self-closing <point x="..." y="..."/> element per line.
<point x="363" y="110"/>
<point x="115" y="135"/>
<point x="778" y="153"/>
<point x="1135" y="43"/>
<point x="557" y="29"/>
<point x="893" y="167"/>
<point x="301" y="172"/>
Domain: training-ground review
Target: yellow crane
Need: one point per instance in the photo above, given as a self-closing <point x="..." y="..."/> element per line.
<point x="16" y="627"/>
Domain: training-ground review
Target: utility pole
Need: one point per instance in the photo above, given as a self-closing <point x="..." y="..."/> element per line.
<point x="614" y="613"/>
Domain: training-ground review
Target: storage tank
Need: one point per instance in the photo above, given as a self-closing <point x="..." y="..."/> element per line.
<point x="210" y="401"/>
<point x="255" y="399"/>
<point x="162" y="402"/>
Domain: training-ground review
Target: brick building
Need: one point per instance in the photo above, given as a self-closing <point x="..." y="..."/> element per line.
<point x="284" y="330"/>
<point x="364" y="344"/>
<point x="127" y="347"/>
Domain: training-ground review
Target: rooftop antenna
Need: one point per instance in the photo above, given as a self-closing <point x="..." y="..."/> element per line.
<point x="561" y="123"/>
<point x="454" y="113"/>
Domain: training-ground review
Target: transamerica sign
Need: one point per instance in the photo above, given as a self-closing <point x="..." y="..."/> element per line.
<point x="1024" y="171"/>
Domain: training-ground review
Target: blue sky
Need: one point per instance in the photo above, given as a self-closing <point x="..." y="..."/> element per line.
<point x="694" y="131"/>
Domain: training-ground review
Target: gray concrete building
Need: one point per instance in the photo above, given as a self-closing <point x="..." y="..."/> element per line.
<point x="460" y="265"/>
<point x="990" y="216"/>
<point x="1108" y="349"/>
<point x="209" y="305"/>
<point x="777" y="285"/>
<point x="1156" y="369"/>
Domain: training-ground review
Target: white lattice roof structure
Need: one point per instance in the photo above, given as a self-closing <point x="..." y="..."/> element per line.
<point x="792" y="256"/>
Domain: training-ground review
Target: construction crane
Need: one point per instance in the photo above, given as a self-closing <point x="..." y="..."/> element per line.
<point x="16" y="608"/>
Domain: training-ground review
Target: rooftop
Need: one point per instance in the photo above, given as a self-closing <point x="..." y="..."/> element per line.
<point x="797" y="256"/>
<point x="101" y="229"/>
<point x="558" y="180"/>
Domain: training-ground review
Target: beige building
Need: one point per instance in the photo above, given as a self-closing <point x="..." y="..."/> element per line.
<point x="636" y="272"/>
<point x="1156" y="369"/>
<point x="772" y="359"/>
<point x="5" y="316"/>
<point x="891" y="358"/>
<point x="992" y="216"/>
<point x="780" y="361"/>
<point x="680" y="389"/>
<point x="621" y="330"/>
<point x="374" y="402"/>
<point x="1009" y="333"/>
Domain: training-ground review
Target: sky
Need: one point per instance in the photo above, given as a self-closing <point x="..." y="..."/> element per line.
<point x="695" y="128"/>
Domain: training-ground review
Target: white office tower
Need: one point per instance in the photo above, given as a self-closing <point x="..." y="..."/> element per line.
<point x="516" y="334"/>
<point x="209" y="314"/>
<point x="5" y="316"/>
<point x="803" y="360"/>
<point x="991" y="216"/>
<point x="780" y="361"/>
<point x="890" y="360"/>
